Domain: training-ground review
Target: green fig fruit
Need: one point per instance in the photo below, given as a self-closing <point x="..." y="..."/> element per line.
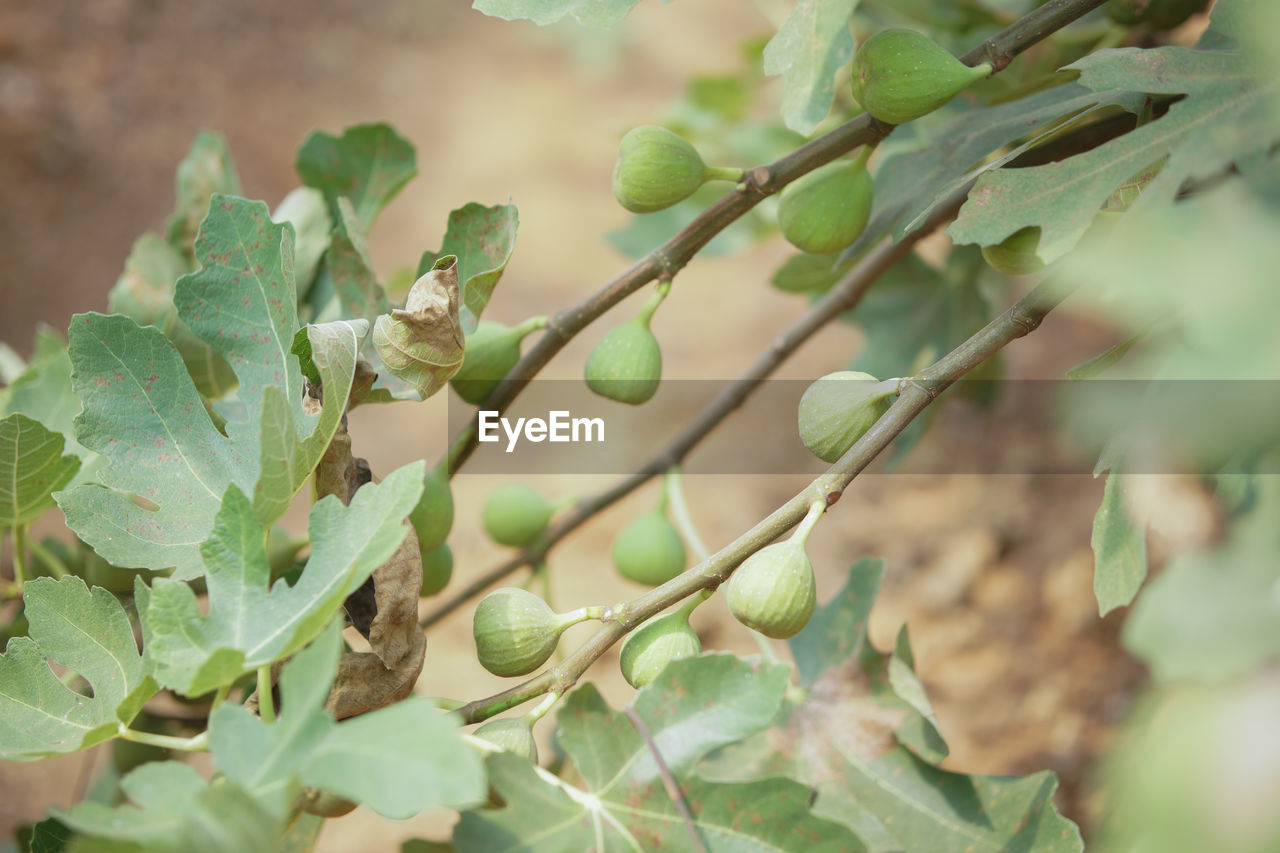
<point x="900" y="75"/>
<point x="626" y="364"/>
<point x="648" y="650"/>
<point x="511" y="734"/>
<point x="774" y="591"/>
<point x="491" y="351"/>
<point x="649" y="550"/>
<point x="437" y="569"/>
<point x="515" y="515"/>
<point x="825" y="210"/>
<point x="1156" y="14"/>
<point x="432" y="518"/>
<point x="1016" y="254"/>
<point x="837" y="409"/>
<point x="657" y="168"/>
<point x="515" y="631"/>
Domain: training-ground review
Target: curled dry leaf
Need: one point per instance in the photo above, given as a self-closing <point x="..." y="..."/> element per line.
<point x="364" y="684"/>
<point x="396" y="586"/>
<point x="423" y="343"/>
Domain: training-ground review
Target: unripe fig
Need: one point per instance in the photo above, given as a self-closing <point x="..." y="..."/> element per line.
<point x="515" y="515"/>
<point x="1157" y="14"/>
<point x="437" y="569"/>
<point x="774" y="591"/>
<point x="626" y="365"/>
<point x="492" y="350"/>
<point x="1016" y="254"/>
<point x="515" y="631"/>
<point x="511" y="734"/>
<point x="432" y="518"/>
<point x="826" y="210"/>
<point x="657" y="168"/>
<point x="837" y="409"/>
<point x="649" y="550"/>
<point x="648" y="650"/>
<point x="324" y="804"/>
<point x="901" y="75"/>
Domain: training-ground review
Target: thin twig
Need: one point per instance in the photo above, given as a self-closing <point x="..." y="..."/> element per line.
<point x="666" y="260"/>
<point x="668" y="781"/>
<point x="915" y="394"/>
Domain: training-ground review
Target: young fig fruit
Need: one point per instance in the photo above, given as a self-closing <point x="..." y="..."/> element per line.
<point x="516" y="632"/>
<point x="626" y="364"/>
<point x="901" y="75"/>
<point x="437" y="569"/>
<point x="657" y="168"/>
<point x="826" y="210"/>
<point x="648" y="649"/>
<point x="432" y="518"/>
<point x="774" y="591"/>
<point x="1157" y="14"/>
<point x="837" y="409"/>
<point x="515" y="515"/>
<point x="1016" y="254"/>
<point x="649" y="550"/>
<point x="492" y="350"/>
<point x="511" y="734"/>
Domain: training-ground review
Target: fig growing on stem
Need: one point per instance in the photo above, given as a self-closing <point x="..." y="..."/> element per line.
<point x="511" y="734"/>
<point x="648" y="650"/>
<point x="515" y="515"/>
<point x="515" y="631"/>
<point x="1016" y="254"/>
<point x="437" y="569"/>
<point x="774" y="590"/>
<point x="657" y="168"/>
<point x="825" y="210"/>
<point x="491" y="351"/>
<point x="837" y="409"/>
<point x="901" y="75"/>
<point x="649" y="550"/>
<point x="626" y="364"/>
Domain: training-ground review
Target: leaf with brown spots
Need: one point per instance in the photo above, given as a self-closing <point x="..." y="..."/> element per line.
<point x="422" y="343"/>
<point x="483" y="239"/>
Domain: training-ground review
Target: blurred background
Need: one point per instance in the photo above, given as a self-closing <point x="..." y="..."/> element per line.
<point x="99" y="101"/>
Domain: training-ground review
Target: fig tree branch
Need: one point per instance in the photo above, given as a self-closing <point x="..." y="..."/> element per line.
<point x="915" y="394"/>
<point x="761" y="182"/>
<point x="846" y="293"/>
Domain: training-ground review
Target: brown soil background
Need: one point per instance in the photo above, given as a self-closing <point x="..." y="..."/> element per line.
<point x="99" y="101"/>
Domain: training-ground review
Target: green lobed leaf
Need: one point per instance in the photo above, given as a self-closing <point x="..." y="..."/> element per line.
<point x="356" y="286"/>
<point x="813" y="43"/>
<point x="32" y="468"/>
<point x="837" y="631"/>
<point x="43" y="391"/>
<point x="369" y="164"/>
<point x="178" y="812"/>
<point x="145" y="416"/>
<point x="695" y="705"/>
<point x="250" y="625"/>
<point x="1119" y="549"/>
<point x="207" y="169"/>
<point x="1228" y="113"/>
<point x="594" y="13"/>
<point x="88" y="632"/>
<point x="304" y="208"/>
<point x="397" y="760"/>
<point x="483" y="239"/>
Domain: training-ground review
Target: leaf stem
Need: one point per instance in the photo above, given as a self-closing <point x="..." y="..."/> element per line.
<point x="19" y="542"/>
<point x="724" y="173"/>
<point x="54" y="563"/>
<point x="674" y="492"/>
<point x="816" y="509"/>
<point x="196" y="743"/>
<point x="668" y="780"/>
<point x="540" y="710"/>
<point x="266" y="699"/>
<point x="220" y="696"/>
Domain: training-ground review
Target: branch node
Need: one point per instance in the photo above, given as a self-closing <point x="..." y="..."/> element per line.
<point x="832" y="496"/>
<point x="926" y="387"/>
<point x="1027" y="322"/>
<point x="757" y="180"/>
<point x="999" y="59"/>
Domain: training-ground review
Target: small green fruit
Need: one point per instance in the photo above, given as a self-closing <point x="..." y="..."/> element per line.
<point x="900" y="75"/>
<point x="656" y="168"/>
<point x="515" y="631"/>
<point x="649" y="550"/>
<point x="626" y="365"/>
<point x="648" y="650"/>
<point x="432" y="518"/>
<point x="826" y="210"/>
<point x="515" y="515"/>
<point x="774" y="591"/>
<point x="437" y="569"/>
<point x="491" y="351"/>
<point x="1016" y="254"/>
<point x="837" y="409"/>
<point x="511" y="734"/>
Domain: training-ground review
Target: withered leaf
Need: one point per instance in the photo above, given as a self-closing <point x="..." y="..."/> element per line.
<point x="397" y="584"/>
<point x="422" y="343"/>
<point x="364" y="684"/>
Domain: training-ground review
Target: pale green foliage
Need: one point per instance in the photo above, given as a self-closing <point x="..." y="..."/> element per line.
<point x="483" y="239"/>
<point x="808" y="49"/>
<point x="369" y="164"/>
<point x="1119" y="548"/>
<point x="32" y="468"/>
